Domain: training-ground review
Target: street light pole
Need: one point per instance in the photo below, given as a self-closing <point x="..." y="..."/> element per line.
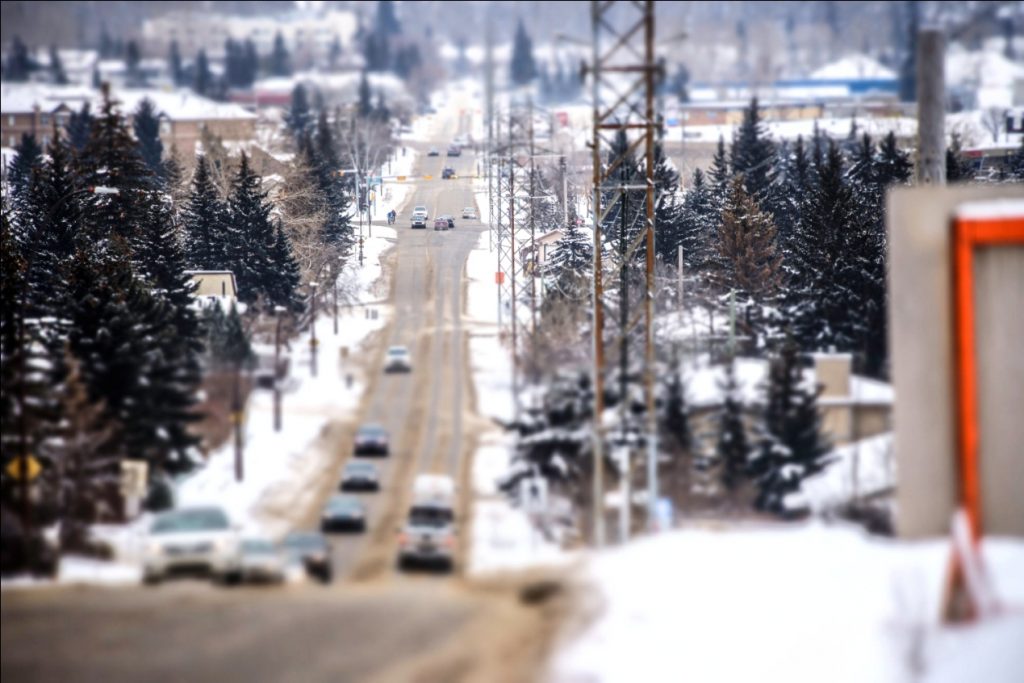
<point x="312" y="329"/>
<point x="278" y="310"/>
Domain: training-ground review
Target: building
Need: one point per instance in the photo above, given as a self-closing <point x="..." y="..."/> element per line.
<point x="34" y="108"/>
<point x="214" y="284"/>
<point x="852" y="407"/>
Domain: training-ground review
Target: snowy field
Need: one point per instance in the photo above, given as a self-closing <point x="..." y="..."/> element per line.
<point x="805" y="603"/>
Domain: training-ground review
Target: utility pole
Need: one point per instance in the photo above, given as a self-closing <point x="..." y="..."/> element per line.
<point x="623" y="80"/>
<point x="514" y="276"/>
<point x="312" y="329"/>
<point x="931" y="108"/>
<point x="236" y="420"/>
<point x="278" y="310"/>
<point x="533" y="224"/>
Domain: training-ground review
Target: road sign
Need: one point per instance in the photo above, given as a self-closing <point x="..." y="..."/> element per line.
<point x="499" y="278"/>
<point x="134" y="474"/>
<point x="400" y="178"/>
<point x="31" y="470"/>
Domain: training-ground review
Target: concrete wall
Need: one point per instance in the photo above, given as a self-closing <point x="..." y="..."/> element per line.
<point x="921" y="340"/>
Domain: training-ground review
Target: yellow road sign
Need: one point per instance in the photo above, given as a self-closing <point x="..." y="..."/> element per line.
<point x="31" y="470"/>
<point x="401" y="178"/>
<point x="428" y="177"/>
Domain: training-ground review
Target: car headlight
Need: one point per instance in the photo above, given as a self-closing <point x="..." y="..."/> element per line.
<point x="154" y="548"/>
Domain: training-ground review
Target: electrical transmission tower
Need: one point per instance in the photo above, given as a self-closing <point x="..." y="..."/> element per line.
<point x="623" y="72"/>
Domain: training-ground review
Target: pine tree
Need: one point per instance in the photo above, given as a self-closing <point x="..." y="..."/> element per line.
<point x="252" y="63"/>
<point x="147" y="132"/>
<point x="322" y="158"/>
<point x="299" y="115"/>
<point x="365" y="107"/>
<point x="753" y="153"/>
<point x="732" y="449"/>
<point x="249" y="256"/>
<point x="283" y="289"/>
<point x="675" y="417"/>
<point x="233" y="348"/>
<point x="719" y="173"/>
<point x="792" y="446"/>
<point x="57" y="74"/>
<point x="111" y="159"/>
<point x="567" y="270"/>
<point x="18" y="65"/>
<point x="334" y="53"/>
<point x="203" y="82"/>
<point x="132" y="62"/>
<point x="205" y="222"/>
<point x="174" y="64"/>
<point x="698" y="225"/>
<point x="667" y="209"/>
<point x="280" y="61"/>
<point x="958" y="170"/>
<point x="79" y="125"/>
<point x="28" y="155"/>
<point x="387" y="23"/>
<point x="748" y="261"/>
<point x="523" y="67"/>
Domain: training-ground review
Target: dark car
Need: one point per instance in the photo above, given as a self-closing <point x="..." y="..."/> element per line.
<point x="447" y="173"/>
<point x="440" y="223"/>
<point x="343" y="513"/>
<point x="360" y="475"/>
<point x="433" y="152"/>
<point x="371" y="439"/>
<point x="454" y="151"/>
<point x="451" y="221"/>
<point x="312" y="551"/>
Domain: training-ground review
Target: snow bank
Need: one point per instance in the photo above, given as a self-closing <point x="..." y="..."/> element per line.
<point x="859" y="469"/>
<point x="801" y="603"/>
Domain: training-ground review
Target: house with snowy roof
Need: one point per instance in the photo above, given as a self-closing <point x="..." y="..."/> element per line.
<point x="852" y="407"/>
<point x="34" y="108"/>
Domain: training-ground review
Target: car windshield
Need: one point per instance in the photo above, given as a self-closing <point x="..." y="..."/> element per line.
<point x="372" y="431"/>
<point x="183" y="521"/>
<point x="360" y="467"/>
<point x="344" y="505"/>
<point x="258" y="546"/>
<point x="304" y="541"/>
<point x="397" y="351"/>
<point x="427" y="516"/>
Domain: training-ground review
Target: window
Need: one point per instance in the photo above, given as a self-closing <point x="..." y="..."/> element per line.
<point x="44" y="119"/>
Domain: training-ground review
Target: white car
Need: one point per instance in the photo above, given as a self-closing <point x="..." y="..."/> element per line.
<point x="469" y="212"/>
<point x="193" y="540"/>
<point x="434" y="489"/>
<point x="428" y="538"/>
<point x="263" y="560"/>
<point x="420" y="212"/>
<point x="398" y="360"/>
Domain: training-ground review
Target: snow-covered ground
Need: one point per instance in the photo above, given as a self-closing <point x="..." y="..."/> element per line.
<point x="860" y="469"/>
<point x="796" y="603"/>
<point x="503" y="536"/>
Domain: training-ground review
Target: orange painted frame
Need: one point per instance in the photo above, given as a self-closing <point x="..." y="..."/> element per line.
<point x="969" y="234"/>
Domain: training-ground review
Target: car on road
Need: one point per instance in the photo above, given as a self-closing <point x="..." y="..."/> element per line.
<point x="398" y="359"/>
<point x="371" y="439"/>
<point x="451" y="221"/>
<point x="469" y="213"/>
<point x="343" y="513"/>
<point x="420" y="211"/>
<point x="454" y="151"/>
<point x="447" y="173"/>
<point x="433" y="152"/>
<point x="262" y="561"/>
<point x="360" y="475"/>
<point x="418" y="223"/>
<point x="193" y="540"/>
<point x="428" y="539"/>
<point x="311" y="550"/>
<point x="440" y="223"/>
<point x="434" y="490"/>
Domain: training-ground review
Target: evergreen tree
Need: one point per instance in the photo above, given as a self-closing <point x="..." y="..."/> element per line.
<point x="79" y="125"/>
<point x="523" y="68"/>
<point x="232" y="349"/>
<point x="667" y="208"/>
<point x="57" y="74"/>
<point x="732" y="449"/>
<point x="280" y="61"/>
<point x="132" y="62"/>
<point x="28" y="155"/>
<point x="791" y="447"/>
<point x="111" y="159"/>
<point x="381" y="112"/>
<point x="299" y="116"/>
<point x="249" y="257"/>
<point x="958" y="170"/>
<point x="283" y="289"/>
<point x="675" y="418"/>
<point x="174" y="64"/>
<point x="18" y="65"/>
<point x="568" y="268"/>
<point x="147" y="132"/>
<point x="748" y="261"/>
<point x="753" y="153"/>
<point x="719" y="173"/>
<point x="893" y="166"/>
<point x="365" y="107"/>
<point x="252" y="63"/>
<point x="205" y="222"/>
<point x="698" y="226"/>
<point x="387" y="23"/>
<point x="203" y="82"/>
<point x="334" y="53"/>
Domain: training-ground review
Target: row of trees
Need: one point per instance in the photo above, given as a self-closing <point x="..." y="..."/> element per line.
<point x="103" y="346"/>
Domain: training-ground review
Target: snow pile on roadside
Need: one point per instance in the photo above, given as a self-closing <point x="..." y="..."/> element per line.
<point x="871" y="460"/>
<point x="801" y="603"/>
